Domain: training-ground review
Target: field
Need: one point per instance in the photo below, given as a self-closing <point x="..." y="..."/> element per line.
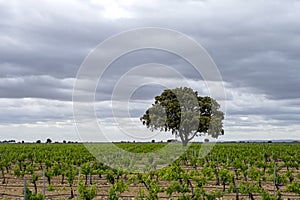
<point x="228" y="171"/>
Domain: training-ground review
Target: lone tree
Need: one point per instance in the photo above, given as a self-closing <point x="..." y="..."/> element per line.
<point x="186" y="114"/>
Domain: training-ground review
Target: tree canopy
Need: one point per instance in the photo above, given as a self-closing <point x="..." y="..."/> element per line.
<point x="186" y="114"/>
<point x="48" y="140"/>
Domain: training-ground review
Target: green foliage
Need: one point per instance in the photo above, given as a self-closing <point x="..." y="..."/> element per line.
<point x="50" y="188"/>
<point x="70" y="177"/>
<point x="86" y="192"/>
<point x="151" y="185"/>
<point x="179" y="180"/>
<point x="290" y="175"/>
<point x="177" y="187"/>
<point x="71" y="174"/>
<point x="294" y="187"/>
<point x="116" y="189"/>
<point x="17" y="171"/>
<point x="249" y="188"/>
<point x="267" y="196"/>
<point x="110" y="178"/>
<point x="34" y="178"/>
<point x="225" y="177"/>
<point x="31" y="196"/>
<point x="186" y="114"/>
<point x="49" y="174"/>
<point x="140" y="195"/>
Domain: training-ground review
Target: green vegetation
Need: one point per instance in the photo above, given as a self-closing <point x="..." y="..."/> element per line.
<point x="184" y="113"/>
<point x="270" y="171"/>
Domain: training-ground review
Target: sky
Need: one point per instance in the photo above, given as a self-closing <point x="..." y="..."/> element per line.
<point x="254" y="44"/>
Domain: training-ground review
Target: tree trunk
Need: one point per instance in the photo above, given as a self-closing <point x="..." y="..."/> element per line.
<point x="72" y="193"/>
<point x="35" y="188"/>
<point x="217" y="176"/>
<point x="62" y="178"/>
<point x="184" y="142"/>
<point x="279" y="196"/>
<point x="3" y="176"/>
<point x="191" y="186"/>
<point x="236" y="174"/>
<point x="217" y="179"/>
<point x="236" y="189"/>
<point x="251" y="196"/>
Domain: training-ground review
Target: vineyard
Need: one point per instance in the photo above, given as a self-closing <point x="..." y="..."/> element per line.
<point x="228" y="171"/>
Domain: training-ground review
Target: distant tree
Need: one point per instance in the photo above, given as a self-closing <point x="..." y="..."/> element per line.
<point x="23" y="142"/>
<point x="206" y="140"/>
<point x="186" y="114"/>
<point x="38" y="141"/>
<point x="48" y="140"/>
<point x="152" y="141"/>
<point x="64" y="141"/>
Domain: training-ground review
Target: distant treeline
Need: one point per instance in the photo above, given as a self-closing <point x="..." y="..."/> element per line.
<point x="8" y="141"/>
<point x="37" y="142"/>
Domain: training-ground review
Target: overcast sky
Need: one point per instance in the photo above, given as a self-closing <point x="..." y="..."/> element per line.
<point x="255" y="45"/>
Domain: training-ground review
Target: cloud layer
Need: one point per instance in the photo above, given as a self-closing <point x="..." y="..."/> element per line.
<point x="256" y="46"/>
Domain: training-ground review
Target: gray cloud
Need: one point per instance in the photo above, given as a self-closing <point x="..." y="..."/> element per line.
<point x="257" y="50"/>
<point x="256" y="46"/>
<point x="36" y="87"/>
<point x="32" y="111"/>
